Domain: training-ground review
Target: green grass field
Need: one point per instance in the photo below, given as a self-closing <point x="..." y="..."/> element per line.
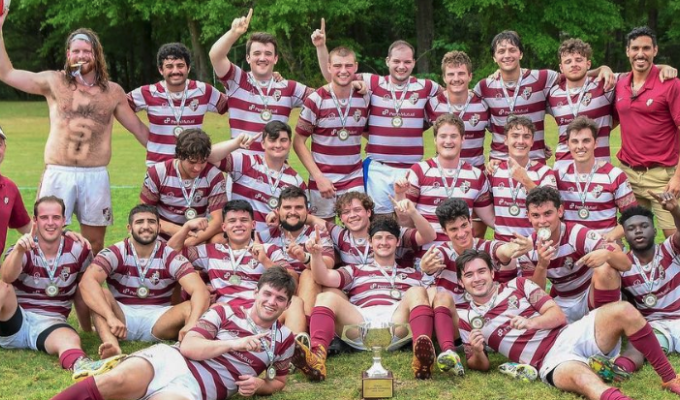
<point x="32" y="376"/>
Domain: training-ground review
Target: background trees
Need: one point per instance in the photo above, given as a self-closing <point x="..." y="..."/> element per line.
<point x="132" y="30"/>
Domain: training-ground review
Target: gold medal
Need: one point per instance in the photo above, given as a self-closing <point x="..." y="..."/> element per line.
<point x="477" y="323"/>
<point x="266" y="114"/>
<point x="397" y="121"/>
<point x="235" y="280"/>
<point x="650" y="300"/>
<point x="583" y="213"/>
<point x="142" y="292"/>
<point x="190" y="213"/>
<point x="343" y="134"/>
<point x="514" y="210"/>
<point x="273" y="202"/>
<point x="271" y="372"/>
<point x="52" y="290"/>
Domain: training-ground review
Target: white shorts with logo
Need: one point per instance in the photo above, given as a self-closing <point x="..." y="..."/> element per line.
<point x="140" y="320"/>
<point x="325" y="208"/>
<point x="670" y="328"/>
<point x="171" y="374"/>
<point x="32" y="325"/>
<point x="85" y="191"/>
<point x="380" y="180"/>
<point x="575" y="343"/>
<point x="576" y="307"/>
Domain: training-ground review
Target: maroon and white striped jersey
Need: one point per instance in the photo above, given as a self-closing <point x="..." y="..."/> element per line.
<point x="608" y="191"/>
<point x="33" y="280"/>
<point x="339" y="160"/>
<point x="217" y="376"/>
<point x="427" y="190"/>
<point x="398" y="146"/>
<point x="447" y="278"/>
<point x="201" y="98"/>
<point x="476" y="118"/>
<point x="569" y="279"/>
<point x="165" y="269"/>
<point x="359" y="252"/>
<point x="663" y="278"/>
<point x="163" y="189"/>
<point x="214" y="259"/>
<point x="595" y="104"/>
<point x="366" y="286"/>
<point x="246" y="106"/>
<point x="530" y="94"/>
<point x="277" y="236"/>
<point x="503" y="192"/>
<point x="527" y="346"/>
<point x="250" y="183"/>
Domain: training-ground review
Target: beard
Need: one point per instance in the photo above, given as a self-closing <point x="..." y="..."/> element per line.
<point x="144" y="242"/>
<point x="293" y="228"/>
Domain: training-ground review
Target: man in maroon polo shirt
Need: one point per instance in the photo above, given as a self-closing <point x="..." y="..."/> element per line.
<point x="12" y="211"/>
<point x="649" y="113"/>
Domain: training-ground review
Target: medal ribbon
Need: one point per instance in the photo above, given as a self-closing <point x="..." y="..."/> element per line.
<point x="574" y="110"/>
<point x="236" y="263"/>
<point x="171" y="102"/>
<point x="367" y="249"/>
<point x="140" y="270"/>
<point x="398" y="103"/>
<point x="583" y="194"/>
<point x="649" y="282"/>
<point x="187" y="197"/>
<point x="391" y="279"/>
<point x="268" y="349"/>
<point x="449" y="189"/>
<point x="264" y="98"/>
<point x="50" y="268"/>
<point x="342" y="115"/>
<point x="484" y="308"/>
<point x="275" y="184"/>
<point x="452" y="108"/>
<point x="511" y="103"/>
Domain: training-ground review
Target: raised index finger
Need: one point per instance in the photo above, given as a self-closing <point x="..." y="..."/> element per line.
<point x="34" y="229"/>
<point x="249" y="16"/>
<point x="657" y="197"/>
<point x="323" y="25"/>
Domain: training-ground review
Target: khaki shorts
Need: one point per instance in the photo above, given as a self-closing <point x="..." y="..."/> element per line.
<point x="654" y="179"/>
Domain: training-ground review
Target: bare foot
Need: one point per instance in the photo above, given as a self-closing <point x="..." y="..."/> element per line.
<point x="107" y="350"/>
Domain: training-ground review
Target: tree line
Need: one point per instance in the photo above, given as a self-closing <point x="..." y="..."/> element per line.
<point x="132" y="30"/>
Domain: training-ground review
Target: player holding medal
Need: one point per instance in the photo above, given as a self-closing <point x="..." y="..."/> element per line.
<point x="652" y="282"/>
<point x="187" y="187"/>
<point x="334" y="117"/>
<point x="382" y="291"/>
<point x="592" y="190"/>
<point x="583" y="268"/>
<point x="254" y="97"/>
<point x="259" y="179"/>
<point x="39" y="285"/>
<point x="141" y="272"/>
<point x="513" y="178"/>
<point x="520" y="315"/>
<point x="223" y="355"/>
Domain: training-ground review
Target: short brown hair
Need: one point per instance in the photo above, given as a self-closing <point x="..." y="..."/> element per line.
<point x="193" y="144"/>
<point x="515" y="121"/>
<point x="582" y="122"/>
<point x="401" y="43"/>
<point x="511" y="37"/>
<point x="448" y="119"/>
<point x="571" y="46"/>
<point x="342" y="51"/>
<point x="455" y="59"/>
<point x="346" y="199"/>
<point x="49" y="199"/>
<point x="261" y="37"/>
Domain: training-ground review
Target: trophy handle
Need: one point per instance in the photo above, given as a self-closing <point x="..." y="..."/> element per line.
<point x="359" y="342"/>
<point x="401" y="341"/>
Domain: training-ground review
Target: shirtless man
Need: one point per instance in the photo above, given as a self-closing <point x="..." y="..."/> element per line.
<point x="82" y="105"/>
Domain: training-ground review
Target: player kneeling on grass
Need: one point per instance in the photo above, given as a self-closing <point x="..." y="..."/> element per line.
<point x="39" y="283"/>
<point x="519" y="313"/>
<point x="223" y="355"/>
<point x="141" y="273"/>
<point x="379" y="292"/>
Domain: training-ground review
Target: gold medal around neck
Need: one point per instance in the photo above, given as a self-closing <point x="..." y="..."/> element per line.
<point x="190" y="213"/>
<point x="343" y="134"/>
<point x="514" y="210"/>
<point x="266" y="114"/>
<point x="650" y="300"/>
<point x="397" y="121"/>
<point x="583" y="213"/>
<point x="271" y="373"/>
<point x="477" y="323"/>
<point x="235" y="280"/>
<point x="273" y="202"/>
<point x="142" y="292"/>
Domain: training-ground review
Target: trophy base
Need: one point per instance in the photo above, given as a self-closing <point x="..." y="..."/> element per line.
<point x="377" y="388"/>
